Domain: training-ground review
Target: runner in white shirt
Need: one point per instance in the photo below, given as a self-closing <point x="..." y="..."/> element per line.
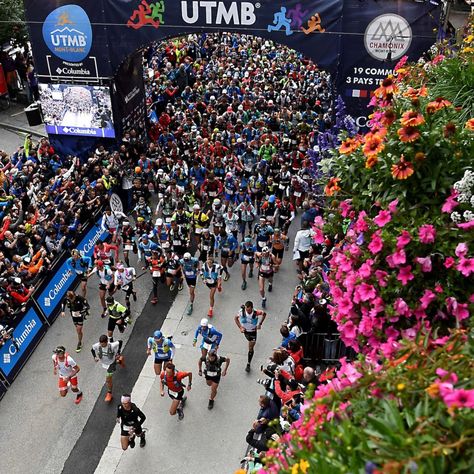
<point x="106" y="282"/>
<point x="65" y="366"/>
<point x="108" y="353"/>
<point x="123" y="279"/>
<point x="111" y="222"/>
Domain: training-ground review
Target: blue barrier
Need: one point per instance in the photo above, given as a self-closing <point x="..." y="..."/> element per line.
<point x="53" y="293"/>
<point x="27" y="333"/>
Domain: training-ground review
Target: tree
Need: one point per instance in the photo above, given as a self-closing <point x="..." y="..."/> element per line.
<point x="12" y="23"/>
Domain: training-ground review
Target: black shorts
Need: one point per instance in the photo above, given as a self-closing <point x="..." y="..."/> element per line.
<point x="212" y="285"/>
<point x="178" y="396"/>
<point x="160" y="361"/>
<point x="251" y="261"/>
<point x="278" y="252"/>
<point x="83" y="277"/>
<point x="191" y="281"/>
<point x="103" y="287"/>
<point x="265" y="275"/>
<point x="215" y="379"/>
<point x="225" y="254"/>
<point x="303" y="255"/>
<point x="176" y="275"/>
<point x="112" y="323"/>
<point x="112" y="368"/>
<point x="78" y="321"/>
<point x="137" y="430"/>
<point x="250" y="335"/>
<point x="129" y="289"/>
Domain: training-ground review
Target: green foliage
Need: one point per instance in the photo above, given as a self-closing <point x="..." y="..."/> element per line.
<point x="12" y="26"/>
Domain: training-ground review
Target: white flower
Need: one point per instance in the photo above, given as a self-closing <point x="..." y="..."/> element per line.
<point x="468" y="216"/>
<point x="472" y="201"/>
<point x="456" y="217"/>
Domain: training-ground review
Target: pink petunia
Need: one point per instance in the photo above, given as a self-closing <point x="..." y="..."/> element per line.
<point x="403" y="239"/>
<point x="459" y="310"/>
<point x="400" y="306"/>
<point x="405" y="275"/>
<point x="427" y="298"/>
<point x="318" y="236"/>
<point x="399" y="257"/>
<point x="447" y="377"/>
<point x="461" y="249"/>
<point x="466" y="225"/>
<point x="361" y="224"/>
<point x="365" y="269"/>
<point x="459" y="398"/>
<point x="318" y="222"/>
<point x="364" y="292"/>
<point x="465" y="266"/>
<point x="449" y="262"/>
<point x="383" y="218"/>
<point x="376" y="243"/>
<point x="345" y="207"/>
<point x="450" y="204"/>
<point x="381" y="276"/>
<point x="344" y="306"/>
<point x="426" y="264"/>
<point x="392" y="207"/>
<point x="438" y="288"/>
<point x="427" y="234"/>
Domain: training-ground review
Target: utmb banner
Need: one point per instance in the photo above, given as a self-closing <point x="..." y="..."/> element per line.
<point x="358" y="41"/>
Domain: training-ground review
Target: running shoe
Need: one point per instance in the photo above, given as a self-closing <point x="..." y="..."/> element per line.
<point x="226" y="276"/>
<point x="131" y="442"/>
<point x="128" y="320"/>
<point x="270" y="287"/>
<point x="103" y="314"/>
<point x="180" y="286"/>
<point x="142" y="440"/>
<point x="183" y="401"/>
<point x="180" y="413"/>
<point x="244" y="285"/>
<point x="247" y="368"/>
<point x="134" y="294"/>
<point x="190" y="309"/>
<point x="264" y="302"/>
<point x="172" y="286"/>
<point x="210" y="405"/>
<point x="121" y="361"/>
<point x="78" y="398"/>
<point x="79" y="347"/>
<point x="108" y="397"/>
<point x="154" y="300"/>
<point x="210" y="312"/>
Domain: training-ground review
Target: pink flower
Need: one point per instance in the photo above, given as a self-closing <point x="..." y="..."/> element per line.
<point x="460" y="398"/>
<point x="450" y="204"/>
<point x="458" y="310"/>
<point x="376" y="243"/>
<point x="399" y="257"/>
<point x="345" y="207"/>
<point x="348" y="332"/>
<point x="361" y="224"/>
<point x="466" y="225"/>
<point x="401" y="63"/>
<point x="401" y="307"/>
<point x="344" y="306"/>
<point x="449" y="262"/>
<point x="392" y="207"/>
<point x="427" y="234"/>
<point x="466" y="266"/>
<point x="439" y="288"/>
<point x="403" y="239"/>
<point x="318" y="236"/>
<point x="383" y="218"/>
<point x="405" y="275"/>
<point x="427" y="298"/>
<point x="318" y="222"/>
<point x="448" y="377"/>
<point x="461" y="250"/>
<point x="381" y="276"/>
<point x="441" y="341"/>
<point x="425" y="262"/>
<point x="364" y="292"/>
<point x="365" y="269"/>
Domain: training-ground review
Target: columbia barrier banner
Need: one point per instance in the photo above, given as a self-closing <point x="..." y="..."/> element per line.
<point x="357" y="41"/>
<point x="13" y="353"/>
<point x="51" y="297"/>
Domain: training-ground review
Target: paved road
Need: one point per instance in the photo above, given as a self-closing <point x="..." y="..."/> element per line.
<point x="76" y="438"/>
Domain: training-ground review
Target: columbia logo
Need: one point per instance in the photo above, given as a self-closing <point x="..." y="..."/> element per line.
<point x="47" y="302"/>
<point x="6" y="358"/>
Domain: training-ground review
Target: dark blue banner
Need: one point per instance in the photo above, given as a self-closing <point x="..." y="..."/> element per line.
<point x="26" y="333"/>
<point x="52" y="295"/>
<point x="80" y="131"/>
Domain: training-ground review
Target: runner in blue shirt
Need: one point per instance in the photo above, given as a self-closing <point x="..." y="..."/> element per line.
<point x="190" y="267"/>
<point x="163" y="349"/>
<point x="211" y="337"/>
<point x="80" y="265"/>
<point x="145" y="247"/>
<point x="211" y="273"/>
<point x="247" y="257"/>
<point x="227" y="243"/>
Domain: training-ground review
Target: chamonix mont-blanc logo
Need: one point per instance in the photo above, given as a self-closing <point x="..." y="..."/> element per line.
<point x="68" y="33"/>
<point x="388" y="37"/>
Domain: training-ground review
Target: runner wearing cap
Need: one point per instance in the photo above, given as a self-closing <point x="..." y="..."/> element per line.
<point x="108" y="353"/>
<point x="266" y="264"/>
<point x="200" y="221"/>
<point x="161" y="234"/>
<point x="79" y="308"/>
<point x="211" y="337"/>
<point x="163" y="349"/>
<point x="67" y="369"/>
<point x="190" y="267"/>
<point x="105" y="275"/>
<point x="218" y="211"/>
<point x="247" y="258"/>
<point x="80" y="266"/>
<point x="179" y="238"/>
<point x="131" y="419"/>
<point x="211" y="273"/>
<point x="172" y="379"/>
<point x="173" y="271"/>
<point x="227" y="245"/>
<point x="263" y="231"/>
<point x="248" y="322"/>
<point x="145" y="247"/>
<point x="212" y="372"/>
<point x="123" y="280"/>
<point x="157" y="270"/>
<point x="207" y="245"/>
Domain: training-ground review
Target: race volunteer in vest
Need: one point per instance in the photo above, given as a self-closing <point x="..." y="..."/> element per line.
<point x="200" y="221"/>
<point x="123" y="280"/>
<point x="207" y="245"/>
<point x="106" y="282"/>
<point x="190" y="268"/>
<point x="172" y="379"/>
<point x="118" y="316"/>
<point x="79" y="265"/>
<point x="108" y="353"/>
<point x="266" y="264"/>
<point x="278" y="241"/>
<point x="211" y="273"/>
<point x="145" y="247"/>
<point x="163" y="349"/>
<point x="247" y="257"/>
<point x="227" y="244"/>
<point x="263" y="231"/>
<point x="131" y="420"/>
<point x="248" y="322"/>
<point x="128" y="241"/>
<point x="111" y="222"/>
<point x="79" y="308"/>
<point x="106" y="252"/>
<point x="212" y="372"/>
<point x="211" y="337"/>
<point x="67" y="369"/>
<point x="157" y="270"/>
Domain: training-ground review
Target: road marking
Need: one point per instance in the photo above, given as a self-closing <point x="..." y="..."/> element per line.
<point x="18" y="113"/>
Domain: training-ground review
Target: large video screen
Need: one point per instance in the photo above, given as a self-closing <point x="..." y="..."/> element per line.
<point x="77" y="110"/>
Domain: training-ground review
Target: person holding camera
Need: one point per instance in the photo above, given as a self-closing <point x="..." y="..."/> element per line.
<point x="249" y="321"/>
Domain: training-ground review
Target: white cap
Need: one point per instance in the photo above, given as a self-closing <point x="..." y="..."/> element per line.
<point x="159" y="221"/>
<point x="187" y="256"/>
<point x="196" y="207"/>
<point x="204" y="322"/>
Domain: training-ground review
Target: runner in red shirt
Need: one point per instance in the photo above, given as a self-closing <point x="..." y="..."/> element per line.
<point x="172" y="379"/>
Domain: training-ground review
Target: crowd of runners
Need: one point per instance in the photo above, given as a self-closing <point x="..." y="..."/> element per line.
<point x="225" y="174"/>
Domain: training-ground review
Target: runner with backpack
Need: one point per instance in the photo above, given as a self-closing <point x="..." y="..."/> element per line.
<point x="172" y="379"/>
<point x="67" y="369"/>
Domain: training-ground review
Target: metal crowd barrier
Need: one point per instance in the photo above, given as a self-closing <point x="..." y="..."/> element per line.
<point x="325" y="348"/>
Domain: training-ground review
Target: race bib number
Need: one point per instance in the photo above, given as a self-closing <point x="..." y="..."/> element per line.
<point x="76" y="314"/>
<point x="297" y="194"/>
<point x="212" y="193"/>
<point x="211" y="374"/>
<point x="265" y="268"/>
<point x="167" y="220"/>
<point x="210" y="281"/>
<point x="189" y="274"/>
<point x="205" y="248"/>
<point x="126" y="427"/>
<point x="207" y="346"/>
<point x="245" y="258"/>
<point x="261" y="244"/>
<point x="281" y="186"/>
<point x="198" y="230"/>
<point x="174" y="394"/>
<point x="128" y="247"/>
<point x="177" y="242"/>
<point x="165" y="244"/>
<point x="156" y="273"/>
<point x="172" y="271"/>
